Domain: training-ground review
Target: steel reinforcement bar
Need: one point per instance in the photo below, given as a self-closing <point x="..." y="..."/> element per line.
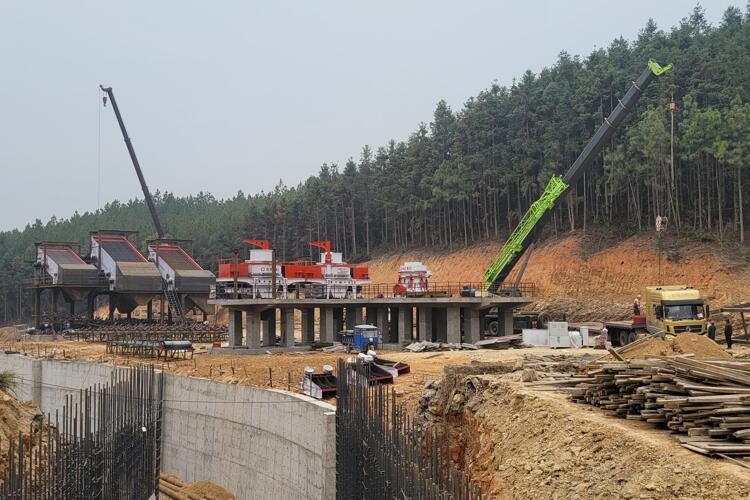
<point x="104" y="444"/>
<point x="382" y="454"/>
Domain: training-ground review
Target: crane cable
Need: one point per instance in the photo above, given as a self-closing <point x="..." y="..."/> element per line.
<point x="99" y="156"/>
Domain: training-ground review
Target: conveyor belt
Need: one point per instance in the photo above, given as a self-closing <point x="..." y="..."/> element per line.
<point x="121" y="251"/>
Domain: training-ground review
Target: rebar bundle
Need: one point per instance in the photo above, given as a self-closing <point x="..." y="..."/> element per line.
<point x="382" y="454"/>
<point x="104" y="444"/>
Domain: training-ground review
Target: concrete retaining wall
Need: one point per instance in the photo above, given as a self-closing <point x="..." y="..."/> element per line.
<point x="259" y="444"/>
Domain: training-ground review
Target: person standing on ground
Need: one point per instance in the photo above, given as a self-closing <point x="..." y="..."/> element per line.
<point x="728" y="333"/>
<point x="712" y="330"/>
<point x="637" y="306"/>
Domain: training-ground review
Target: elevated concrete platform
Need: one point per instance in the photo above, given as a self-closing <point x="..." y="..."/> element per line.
<point x="401" y="320"/>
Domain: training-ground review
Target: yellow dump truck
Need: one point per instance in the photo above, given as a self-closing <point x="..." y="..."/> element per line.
<point x="672" y="309"/>
<point x="675" y="309"/>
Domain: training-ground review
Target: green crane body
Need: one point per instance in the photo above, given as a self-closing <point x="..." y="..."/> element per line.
<point x="532" y="222"/>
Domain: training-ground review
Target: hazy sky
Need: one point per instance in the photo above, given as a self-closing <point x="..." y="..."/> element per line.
<point x="228" y="95"/>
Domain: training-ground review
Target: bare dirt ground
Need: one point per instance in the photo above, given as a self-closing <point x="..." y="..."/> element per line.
<point x="274" y="370"/>
<point x="590" y="278"/>
<point x="517" y="441"/>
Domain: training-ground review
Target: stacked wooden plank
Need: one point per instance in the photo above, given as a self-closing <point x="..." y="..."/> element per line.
<point x="707" y="399"/>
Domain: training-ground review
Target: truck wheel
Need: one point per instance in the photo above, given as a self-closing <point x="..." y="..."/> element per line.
<point x="631" y="337"/>
<point x="624" y="337"/>
<point x="614" y="337"/>
<point x="493" y="327"/>
<point x="542" y="320"/>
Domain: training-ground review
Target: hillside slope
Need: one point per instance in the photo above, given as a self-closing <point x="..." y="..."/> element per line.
<point x="587" y="277"/>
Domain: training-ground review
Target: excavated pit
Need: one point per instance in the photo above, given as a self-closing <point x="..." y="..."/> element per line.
<point x="520" y="442"/>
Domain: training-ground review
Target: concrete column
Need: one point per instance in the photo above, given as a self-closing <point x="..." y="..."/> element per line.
<point x="439" y="324"/>
<point x="384" y="324"/>
<point x="235" y="327"/>
<point x="405" y="324"/>
<point x="252" y="329"/>
<point x="287" y="327"/>
<point x="269" y="327"/>
<point x="338" y="319"/>
<point x="453" y="324"/>
<point x="112" y="303"/>
<point x="472" y="325"/>
<point x="72" y="307"/>
<point x="349" y="317"/>
<point x="424" y="323"/>
<point x="327" y="325"/>
<point x="91" y="305"/>
<point x="358" y="317"/>
<point x="150" y="310"/>
<point x="393" y="317"/>
<point x="308" y="325"/>
<point x="505" y="321"/>
<point x="371" y="315"/>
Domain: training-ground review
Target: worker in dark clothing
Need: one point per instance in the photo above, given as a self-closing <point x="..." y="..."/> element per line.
<point x="712" y="330"/>
<point x="637" y="306"/>
<point x="728" y="333"/>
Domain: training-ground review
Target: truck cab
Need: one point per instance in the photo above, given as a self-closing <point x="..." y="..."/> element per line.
<point x="675" y="309"/>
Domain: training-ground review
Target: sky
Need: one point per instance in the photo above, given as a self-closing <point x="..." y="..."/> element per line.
<point x="238" y="95"/>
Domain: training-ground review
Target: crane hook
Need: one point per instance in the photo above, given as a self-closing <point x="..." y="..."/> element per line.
<point x="104" y="100"/>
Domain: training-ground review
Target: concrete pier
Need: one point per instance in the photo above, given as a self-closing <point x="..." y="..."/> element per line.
<point x="327" y="324"/>
<point x="405" y="324"/>
<point x="308" y="325"/>
<point x="287" y="327"/>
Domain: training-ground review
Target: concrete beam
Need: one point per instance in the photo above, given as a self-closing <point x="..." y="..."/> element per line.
<point x="472" y="325"/>
<point x="235" y="327"/>
<point x="252" y="329"/>
<point x="424" y="323"/>
<point x="308" y="325"/>
<point x="268" y="318"/>
<point x="327" y="324"/>
<point x="287" y="327"/>
<point x="405" y="325"/>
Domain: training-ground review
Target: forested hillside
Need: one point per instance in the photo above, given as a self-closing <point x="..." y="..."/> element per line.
<point x="471" y="173"/>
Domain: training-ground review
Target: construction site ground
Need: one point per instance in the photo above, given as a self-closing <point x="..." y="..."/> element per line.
<point x="516" y="440"/>
<point x="519" y="441"/>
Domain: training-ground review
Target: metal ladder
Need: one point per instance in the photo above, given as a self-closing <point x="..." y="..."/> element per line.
<point x="178" y="315"/>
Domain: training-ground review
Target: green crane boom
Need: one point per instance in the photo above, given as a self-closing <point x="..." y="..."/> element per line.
<point x="534" y="219"/>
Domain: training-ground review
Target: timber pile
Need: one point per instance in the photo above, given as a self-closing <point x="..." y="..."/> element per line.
<point x="505" y="342"/>
<point x="707" y="399"/>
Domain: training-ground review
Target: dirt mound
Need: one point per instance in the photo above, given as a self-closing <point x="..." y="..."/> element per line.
<point x="15" y="417"/>
<point x="9" y="334"/>
<point x="589" y="278"/>
<point x="684" y="343"/>
<point x="209" y="490"/>
<point x="519" y="443"/>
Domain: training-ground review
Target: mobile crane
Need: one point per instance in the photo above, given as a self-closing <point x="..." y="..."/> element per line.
<point x="529" y="228"/>
<point x="533" y="221"/>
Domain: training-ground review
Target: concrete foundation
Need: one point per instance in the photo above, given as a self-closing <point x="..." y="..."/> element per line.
<point x="259" y="444"/>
